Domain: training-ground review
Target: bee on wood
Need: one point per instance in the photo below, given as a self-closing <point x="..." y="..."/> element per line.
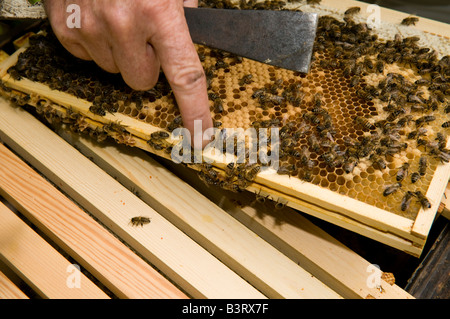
<point x="415" y="177"/>
<point x="406" y="201"/>
<point x="402" y="172"/>
<point x="252" y="172"/>
<point x="286" y="169"/>
<point x="422" y="199"/>
<point x="391" y="189"/>
<point x="159" y="135"/>
<point x="314" y="143"/>
<point x="352" y="10"/>
<point x="409" y="21"/>
<point x="140" y="221"/>
<point x="363" y="122"/>
<point x="97" y="109"/>
<point x="227" y="185"/>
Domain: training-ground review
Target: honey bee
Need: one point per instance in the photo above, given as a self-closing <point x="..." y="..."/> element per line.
<point x="363" y="122"/>
<point x="423" y="163"/>
<point x="446" y="124"/>
<point x="406" y="201"/>
<point x="159" y="135"/>
<point x="261" y="198"/>
<point x="314" y="143"/>
<point x="379" y="66"/>
<point x="352" y="10"/>
<point x="286" y="169"/>
<point x="402" y="172"/>
<point x="422" y="199"/>
<point x="392" y="189"/>
<point x="280" y="204"/>
<point x="354" y="80"/>
<point x="97" y="109"/>
<point x="425" y="119"/>
<point x="409" y="21"/>
<point x="246" y="79"/>
<point x="218" y="105"/>
<point x="227" y="185"/>
<point x="378" y="161"/>
<point x="415" y="177"/>
<point x="350" y="164"/>
<point x="313" y="118"/>
<point x="318" y="100"/>
<point x="140" y="221"/>
<point x="447" y="108"/>
<point x="252" y="172"/>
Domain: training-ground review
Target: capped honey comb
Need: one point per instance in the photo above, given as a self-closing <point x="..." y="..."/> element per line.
<point x="369" y="121"/>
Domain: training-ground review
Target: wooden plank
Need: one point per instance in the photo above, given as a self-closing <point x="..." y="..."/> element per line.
<point x="38" y="263"/>
<point x="299" y="239"/>
<point x="8" y="290"/>
<point x="444" y="208"/>
<point x="169" y="249"/>
<point x="98" y="251"/>
<point x="251" y="257"/>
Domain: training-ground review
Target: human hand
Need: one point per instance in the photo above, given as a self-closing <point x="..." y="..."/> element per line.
<point x="136" y="38"/>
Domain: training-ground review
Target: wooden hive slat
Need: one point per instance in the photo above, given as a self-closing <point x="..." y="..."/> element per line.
<point x="299" y="239"/>
<point x="37" y="263"/>
<point x="95" y="248"/>
<point x="171" y="251"/>
<point x="237" y="246"/>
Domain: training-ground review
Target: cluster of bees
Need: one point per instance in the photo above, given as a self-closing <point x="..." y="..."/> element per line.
<point x="46" y="61"/>
<point x="351" y="47"/>
<point x="409" y="105"/>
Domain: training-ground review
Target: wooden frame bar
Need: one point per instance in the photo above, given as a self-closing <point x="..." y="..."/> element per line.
<point x="200" y="274"/>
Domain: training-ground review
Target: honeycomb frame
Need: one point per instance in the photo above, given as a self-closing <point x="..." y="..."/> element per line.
<point x="348" y="211"/>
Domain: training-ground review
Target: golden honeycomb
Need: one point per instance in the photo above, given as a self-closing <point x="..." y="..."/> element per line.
<point x="360" y="114"/>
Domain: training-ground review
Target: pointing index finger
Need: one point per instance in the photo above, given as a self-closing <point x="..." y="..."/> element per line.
<point x="182" y="68"/>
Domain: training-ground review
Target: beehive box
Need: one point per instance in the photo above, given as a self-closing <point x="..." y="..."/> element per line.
<point x="374" y="100"/>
